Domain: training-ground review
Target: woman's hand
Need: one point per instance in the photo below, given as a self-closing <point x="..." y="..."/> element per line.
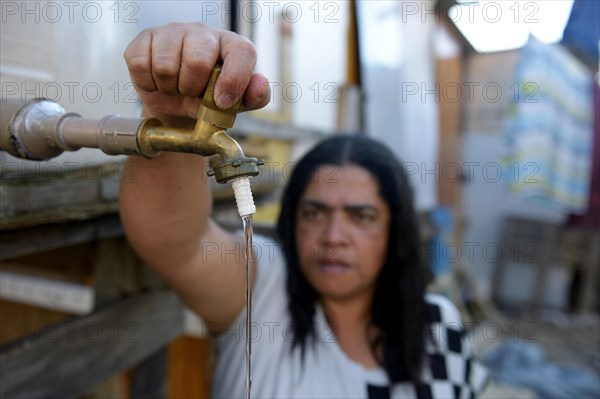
<point x="170" y="66"/>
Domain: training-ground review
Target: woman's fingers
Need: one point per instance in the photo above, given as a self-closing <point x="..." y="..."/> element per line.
<point x="239" y="58"/>
<point x="199" y="56"/>
<point x="167" y="46"/>
<point x="258" y="93"/>
<point x="138" y="56"/>
<point x="176" y="60"/>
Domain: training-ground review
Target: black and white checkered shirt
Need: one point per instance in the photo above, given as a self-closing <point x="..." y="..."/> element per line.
<point x="451" y="371"/>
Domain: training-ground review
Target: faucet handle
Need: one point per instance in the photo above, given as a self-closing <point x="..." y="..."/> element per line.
<point x="210" y="112"/>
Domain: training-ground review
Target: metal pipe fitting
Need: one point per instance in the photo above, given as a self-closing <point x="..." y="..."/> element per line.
<point x="42" y="129"/>
<point x="112" y="134"/>
<point x="30" y="130"/>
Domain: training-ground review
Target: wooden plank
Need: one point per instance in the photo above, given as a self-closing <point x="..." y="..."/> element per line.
<point x="57" y="215"/>
<point x="33" y="193"/>
<point x="190" y="367"/>
<point x="18" y="320"/>
<point x="29" y="198"/>
<point x="21" y="242"/>
<point x="150" y="377"/>
<point x="68" y="359"/>
<point x="590" y="300"/>
<point x="116" y="270"/>
<point x="449" y="76"/>
<point x="117" y="386"/>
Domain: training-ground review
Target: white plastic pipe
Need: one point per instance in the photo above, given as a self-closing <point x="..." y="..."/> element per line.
<point x="243" y="196"/>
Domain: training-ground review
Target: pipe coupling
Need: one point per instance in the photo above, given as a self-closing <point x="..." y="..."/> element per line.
<point x="32" y="131"/>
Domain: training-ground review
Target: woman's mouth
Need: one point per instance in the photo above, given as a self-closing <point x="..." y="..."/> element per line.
<point x="333" y="267"/>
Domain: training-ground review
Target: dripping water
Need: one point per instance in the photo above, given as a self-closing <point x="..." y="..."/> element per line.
<point x="247" y="221"/>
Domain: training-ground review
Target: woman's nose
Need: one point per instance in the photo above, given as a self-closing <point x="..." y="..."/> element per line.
<point x="335" y="230"/>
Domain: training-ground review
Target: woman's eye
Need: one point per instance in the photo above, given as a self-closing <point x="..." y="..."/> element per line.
<point x="311" y="214"/>
<point x="364" y="217"/>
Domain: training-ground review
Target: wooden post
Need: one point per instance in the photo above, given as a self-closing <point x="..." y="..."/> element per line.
<point x="68" y="359"/>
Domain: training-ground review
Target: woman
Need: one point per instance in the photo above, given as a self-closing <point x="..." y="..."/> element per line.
<point x="340" y="308"/>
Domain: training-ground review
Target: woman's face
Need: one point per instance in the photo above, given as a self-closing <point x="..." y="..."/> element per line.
<point x="342" y="232"/>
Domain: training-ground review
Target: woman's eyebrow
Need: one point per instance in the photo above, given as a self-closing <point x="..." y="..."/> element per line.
<point x="360" y="207"/>
<point x="315" y="203"/>
<point x="348" y="208"/>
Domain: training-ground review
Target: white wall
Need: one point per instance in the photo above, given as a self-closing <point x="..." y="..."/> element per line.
<point x="398" y="69"/>
<point x="317" y="60"/>
<point x="72" y="52"/>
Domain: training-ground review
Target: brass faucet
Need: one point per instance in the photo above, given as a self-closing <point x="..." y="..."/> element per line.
<point x="209" y="137"/>
<point x="42" y="129"/>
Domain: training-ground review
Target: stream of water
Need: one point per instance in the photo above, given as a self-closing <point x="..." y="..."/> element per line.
<point x="247" y="220"/>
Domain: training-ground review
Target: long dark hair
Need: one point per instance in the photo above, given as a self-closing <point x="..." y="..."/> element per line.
<point x="398" y="309"/>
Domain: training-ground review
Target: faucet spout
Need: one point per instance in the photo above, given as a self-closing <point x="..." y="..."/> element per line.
<point x="205" y="140"/>
<point x="225" y="146"/>
<point x="234" y="163"/>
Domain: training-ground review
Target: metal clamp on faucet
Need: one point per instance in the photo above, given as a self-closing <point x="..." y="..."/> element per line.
<point x="42" y="129"/>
